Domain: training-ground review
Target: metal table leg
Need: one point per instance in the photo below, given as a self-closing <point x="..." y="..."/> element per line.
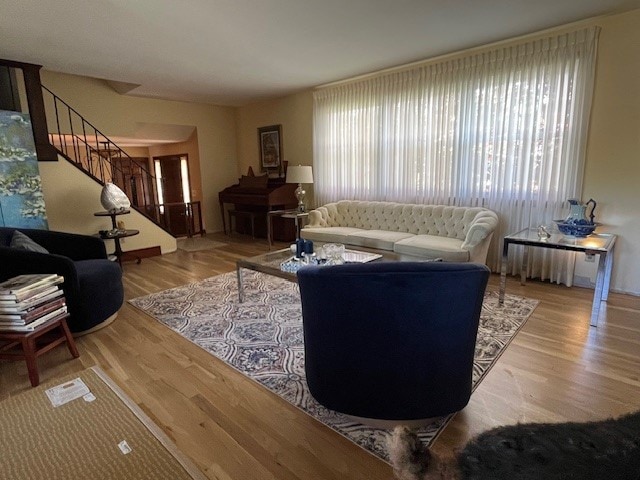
<point x="240" y="285"/>
<point x="603" y="280"/>
<point x="607" y="274"/>
<point x="269" y="227"/>
<point x="525" y="265"/>
<point x="503" y="272"/>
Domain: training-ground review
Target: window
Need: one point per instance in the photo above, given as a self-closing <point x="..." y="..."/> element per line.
<point x="505" y="129"/>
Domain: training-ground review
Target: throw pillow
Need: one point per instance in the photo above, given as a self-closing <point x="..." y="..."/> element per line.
<point x="20" y="240"/>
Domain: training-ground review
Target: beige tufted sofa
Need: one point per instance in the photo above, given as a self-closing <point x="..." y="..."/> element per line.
<point x="457" y="234"/>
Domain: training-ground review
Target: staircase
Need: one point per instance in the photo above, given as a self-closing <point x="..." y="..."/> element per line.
<point x="86" y="147"/>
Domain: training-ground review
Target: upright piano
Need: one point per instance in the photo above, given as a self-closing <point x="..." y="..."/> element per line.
<point x="259" y="195"/>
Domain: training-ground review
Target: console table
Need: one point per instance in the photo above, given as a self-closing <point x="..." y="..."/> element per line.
<point x="596" y="244"/>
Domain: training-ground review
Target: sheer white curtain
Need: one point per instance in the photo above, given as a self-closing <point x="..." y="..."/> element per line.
<point x="504" y="129"/>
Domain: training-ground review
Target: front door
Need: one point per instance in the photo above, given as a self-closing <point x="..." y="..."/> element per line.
<point x="174" y="192"/>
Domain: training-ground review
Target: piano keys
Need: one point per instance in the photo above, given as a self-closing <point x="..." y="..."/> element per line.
<point x="259" y="195"/>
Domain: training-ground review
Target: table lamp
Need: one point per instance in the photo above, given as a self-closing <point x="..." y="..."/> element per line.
<point x="300" y="174"/>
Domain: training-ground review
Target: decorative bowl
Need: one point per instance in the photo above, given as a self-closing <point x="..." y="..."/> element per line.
<point x="576" y="230"/>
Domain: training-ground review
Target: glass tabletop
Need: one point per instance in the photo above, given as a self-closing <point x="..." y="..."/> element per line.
<point x="270" y="262"/>
<point x="595" y="242"/>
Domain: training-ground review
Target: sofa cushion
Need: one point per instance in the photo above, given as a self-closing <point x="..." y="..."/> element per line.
<point x="381" y="239"/>
<point x="329" y="234"/>
<point x="22" y="241"/>
<point x="449" y="249"/>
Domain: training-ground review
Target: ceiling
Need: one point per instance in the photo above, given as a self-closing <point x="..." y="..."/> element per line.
<point x="234" y="52"/>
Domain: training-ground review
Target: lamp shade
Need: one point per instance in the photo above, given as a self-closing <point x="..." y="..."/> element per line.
<point x="299" y="174"/>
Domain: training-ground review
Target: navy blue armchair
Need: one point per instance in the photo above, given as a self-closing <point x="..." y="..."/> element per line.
<point x="391" y="341"/>
<point x="92" y="284"/>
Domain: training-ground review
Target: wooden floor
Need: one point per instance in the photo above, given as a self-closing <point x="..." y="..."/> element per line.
<point x="556" y="369"/>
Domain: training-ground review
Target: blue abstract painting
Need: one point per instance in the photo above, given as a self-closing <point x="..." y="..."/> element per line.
<point x="21" y="199"/>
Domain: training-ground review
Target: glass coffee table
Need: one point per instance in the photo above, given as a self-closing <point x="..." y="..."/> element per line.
<point x="598" y="243"/>
<point x="269" y="262"/>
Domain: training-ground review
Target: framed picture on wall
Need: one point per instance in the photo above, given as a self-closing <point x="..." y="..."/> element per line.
<point x="270" y="143"/>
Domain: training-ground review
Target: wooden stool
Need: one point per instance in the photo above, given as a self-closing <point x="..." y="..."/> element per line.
<point x="30" y="350"/>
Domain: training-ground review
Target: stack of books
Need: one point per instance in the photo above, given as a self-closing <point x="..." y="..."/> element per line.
<point x="28" y="301"/>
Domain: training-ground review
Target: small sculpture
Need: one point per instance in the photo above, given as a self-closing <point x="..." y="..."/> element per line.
<point x="543" y="233"/>
<point x="113" y="199"/>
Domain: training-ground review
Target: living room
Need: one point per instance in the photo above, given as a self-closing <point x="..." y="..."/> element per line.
<point x="217" y="417"/>
<point x="228" y="136"/>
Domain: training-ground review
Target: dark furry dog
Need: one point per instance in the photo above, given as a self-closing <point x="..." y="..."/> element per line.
<point x="609" y="450"/>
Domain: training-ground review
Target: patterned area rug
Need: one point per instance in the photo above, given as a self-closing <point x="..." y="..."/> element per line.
<point x="263" y="339"/>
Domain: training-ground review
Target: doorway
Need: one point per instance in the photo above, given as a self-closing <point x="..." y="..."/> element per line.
<point x="174" y="193"/>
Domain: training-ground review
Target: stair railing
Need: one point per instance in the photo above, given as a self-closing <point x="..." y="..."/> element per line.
<point x="93" y="152"/>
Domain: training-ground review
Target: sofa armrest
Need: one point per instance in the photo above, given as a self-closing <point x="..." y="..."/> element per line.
<point x="72" y="245"/>
<point x="16" y="261"/>
<point x="318" y="217"/>
<point x="483" y="226"/>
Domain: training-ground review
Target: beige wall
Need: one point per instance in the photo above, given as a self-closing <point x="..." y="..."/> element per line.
<point x="137" y="151"/>
<point x="294" y="113"/>
<point x="612" y="175"/>
<point x="613" y="158"/>
<point x="72" y="198"/>
<point x="121" y="116"/>
<point x="190" y="148"/>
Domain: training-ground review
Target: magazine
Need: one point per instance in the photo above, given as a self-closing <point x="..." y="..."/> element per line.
<point x="30" y="303"/>
<point x="59" y="313"/>
<point x="33" y="295"/>
<point x="24" y="286"/>
<point x="24" y="317"/>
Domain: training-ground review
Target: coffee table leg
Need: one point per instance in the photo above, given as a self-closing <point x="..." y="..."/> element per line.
<point x="525" y="265"/>
<point x="503" y="272"/>
<point x="240" y="285"/>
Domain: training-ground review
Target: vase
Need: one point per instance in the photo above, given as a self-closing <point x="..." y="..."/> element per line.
<point x="577" y="224"/>
<point x="578" y="212"/>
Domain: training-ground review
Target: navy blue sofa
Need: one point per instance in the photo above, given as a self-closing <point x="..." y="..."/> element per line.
<point x="92" y="284"/>
<point x="391" y="341"/>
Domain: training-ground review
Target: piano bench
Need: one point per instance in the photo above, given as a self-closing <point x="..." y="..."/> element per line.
<point x="243" y="214"/>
